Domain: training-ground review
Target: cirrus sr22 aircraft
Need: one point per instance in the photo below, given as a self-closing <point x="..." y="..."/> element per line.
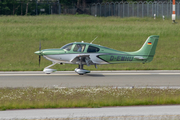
<point x="81" y="53"/>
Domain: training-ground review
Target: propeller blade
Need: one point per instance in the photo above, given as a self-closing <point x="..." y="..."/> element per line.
<point x="39" y="60"/>
<point x="39" y="55"/>
<point x="40" y="46"/>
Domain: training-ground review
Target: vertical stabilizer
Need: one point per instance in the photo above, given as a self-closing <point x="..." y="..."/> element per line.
<point x="149" y="47"/>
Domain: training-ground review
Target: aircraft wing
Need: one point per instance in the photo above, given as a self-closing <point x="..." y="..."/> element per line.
<point x="85" y="58"/>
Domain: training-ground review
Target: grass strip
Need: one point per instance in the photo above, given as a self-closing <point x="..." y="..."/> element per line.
<point x="20" y="37"/>
<point x="25" y="98"/>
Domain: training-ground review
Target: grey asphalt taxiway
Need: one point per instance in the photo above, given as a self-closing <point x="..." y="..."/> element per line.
<point x="154" y="78"/>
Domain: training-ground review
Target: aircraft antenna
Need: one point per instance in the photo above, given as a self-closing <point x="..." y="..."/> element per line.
<point x="94" y="40"/>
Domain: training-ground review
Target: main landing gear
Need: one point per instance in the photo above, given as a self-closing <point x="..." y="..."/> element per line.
<point x="80" y="69"/>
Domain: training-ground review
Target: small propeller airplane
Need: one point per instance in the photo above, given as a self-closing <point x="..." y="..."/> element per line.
<point x="82" y="53"/>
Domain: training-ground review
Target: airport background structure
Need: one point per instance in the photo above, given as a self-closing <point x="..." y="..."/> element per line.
<point x="130" y="9"/>
<point x="119" y="9"/>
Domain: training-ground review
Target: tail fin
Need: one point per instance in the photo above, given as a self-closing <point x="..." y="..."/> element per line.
<point x="148" y="49"/>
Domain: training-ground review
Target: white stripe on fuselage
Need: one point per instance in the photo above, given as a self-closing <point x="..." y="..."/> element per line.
<point x="66" y="58"/>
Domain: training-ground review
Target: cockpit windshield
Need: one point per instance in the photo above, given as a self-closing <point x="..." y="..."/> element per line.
<point x="67" y="46"/>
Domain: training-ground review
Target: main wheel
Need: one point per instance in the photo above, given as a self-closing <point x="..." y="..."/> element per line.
<point x="81" y="74"/>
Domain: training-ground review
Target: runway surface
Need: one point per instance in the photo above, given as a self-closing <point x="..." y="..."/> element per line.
<point x="157" y="78"/>
<point x="95" y="78"/>
<point x="108" y="113"/>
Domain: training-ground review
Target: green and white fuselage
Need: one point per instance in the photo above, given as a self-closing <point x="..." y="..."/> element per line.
<point x="91" y="54"/>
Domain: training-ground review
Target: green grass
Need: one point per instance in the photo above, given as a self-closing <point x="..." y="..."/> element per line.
<point x="20" y="36"/>
<point x="24" y="98"/>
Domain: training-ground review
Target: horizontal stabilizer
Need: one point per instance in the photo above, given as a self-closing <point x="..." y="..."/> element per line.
<point x="140" y="57"/>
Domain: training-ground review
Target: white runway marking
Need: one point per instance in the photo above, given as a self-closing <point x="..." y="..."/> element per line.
<point x="71" y="73"/>
<point x="32" y="74"/>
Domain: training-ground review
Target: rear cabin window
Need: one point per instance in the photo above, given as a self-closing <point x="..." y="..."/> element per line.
<point x="92" y="49"/>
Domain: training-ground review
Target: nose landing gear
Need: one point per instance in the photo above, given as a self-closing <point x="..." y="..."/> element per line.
<point x="48" y="70"/>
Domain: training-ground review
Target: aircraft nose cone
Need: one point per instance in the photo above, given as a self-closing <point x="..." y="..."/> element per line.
<point x="38" y="52"/>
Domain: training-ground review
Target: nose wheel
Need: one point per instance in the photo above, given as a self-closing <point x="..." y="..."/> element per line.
<point x="48" y="70"/>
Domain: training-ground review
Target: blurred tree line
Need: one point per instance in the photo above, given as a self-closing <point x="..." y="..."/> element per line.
<point x="25" y="7"/>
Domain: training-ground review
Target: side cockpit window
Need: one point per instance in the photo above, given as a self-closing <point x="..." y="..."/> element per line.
<point x="92" y="49"/>
<point x="67" y="47"/>
<point x="79" y="48"/>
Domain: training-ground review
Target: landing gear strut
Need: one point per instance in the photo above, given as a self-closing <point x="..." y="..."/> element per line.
<point x="48" y="70"/>
<point x="80" y="69"/>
